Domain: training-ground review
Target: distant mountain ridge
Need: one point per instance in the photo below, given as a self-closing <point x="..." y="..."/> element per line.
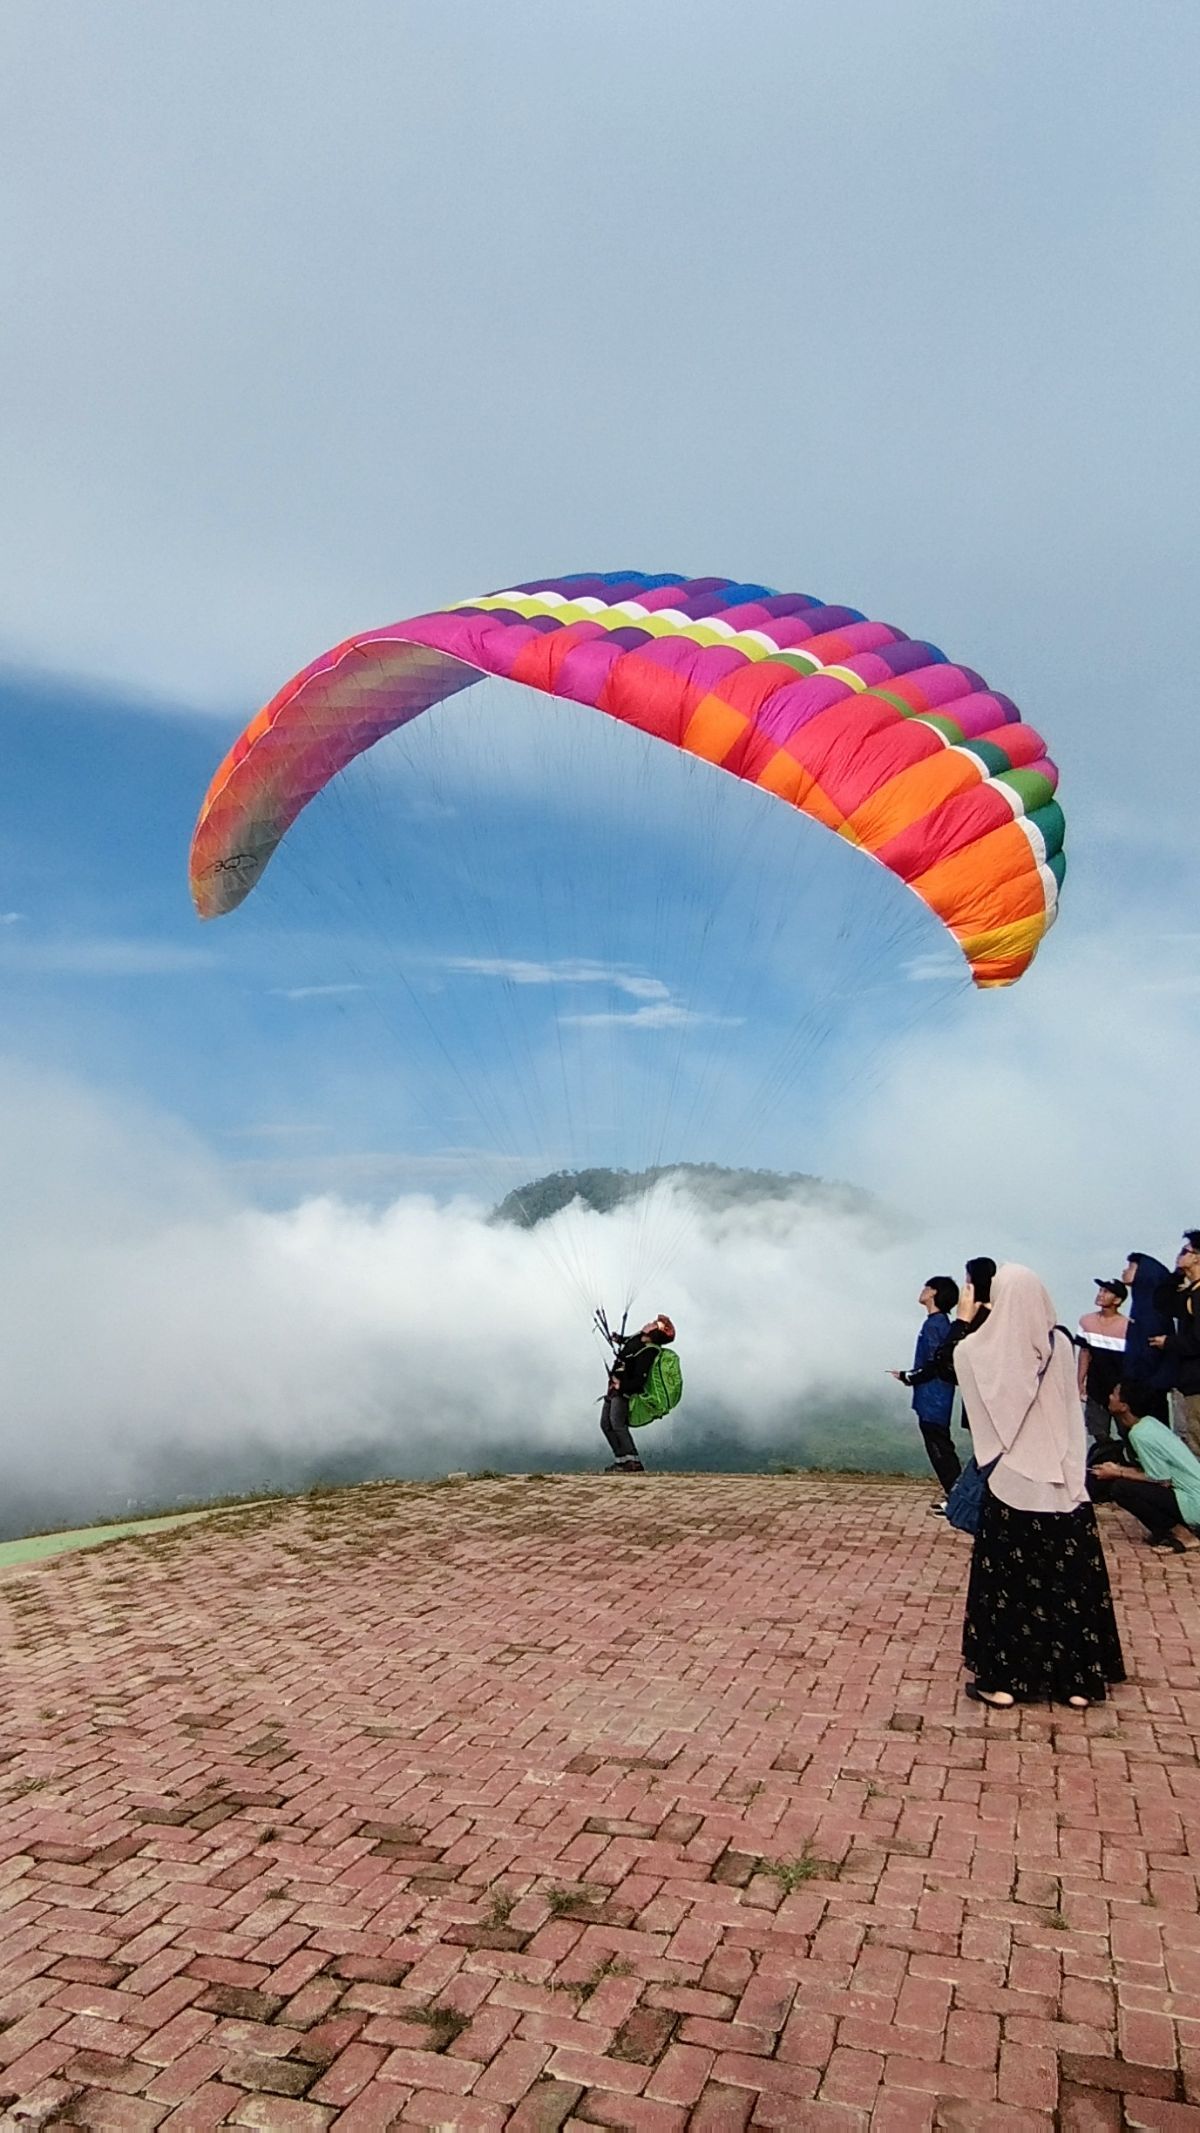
<point x="713" y="1184"/>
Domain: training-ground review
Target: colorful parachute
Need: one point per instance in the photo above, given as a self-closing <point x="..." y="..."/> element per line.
<point x="874" y="734"/>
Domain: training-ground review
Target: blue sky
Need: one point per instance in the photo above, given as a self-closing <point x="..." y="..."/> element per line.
<point x="318" y="315"/>
<point x="324" y="315"/>
<point x="515" y="939"/>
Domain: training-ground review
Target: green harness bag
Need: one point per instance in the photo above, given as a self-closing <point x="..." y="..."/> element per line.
<point x="663" y="1391"/>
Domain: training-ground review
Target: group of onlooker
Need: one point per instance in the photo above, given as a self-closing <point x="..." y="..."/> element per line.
<point x="1155" y="1343"/>
<point x="1039" y="1616"/>
<point x="1139" y="1369"/>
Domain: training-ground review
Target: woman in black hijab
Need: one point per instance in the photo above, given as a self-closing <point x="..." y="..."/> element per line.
<point x="1143" y="1365"/>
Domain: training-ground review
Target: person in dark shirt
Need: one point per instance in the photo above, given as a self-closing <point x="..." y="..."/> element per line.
<point x="1144" y="1362"/>
<point x="1179" y="1299"/>
<point x="632" y="1362"/>
<point x="974" y="1305"/>
<point x="933" y="1397"/>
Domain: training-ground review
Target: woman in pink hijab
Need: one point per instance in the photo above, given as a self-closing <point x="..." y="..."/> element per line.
<point x="1039" y="1622"/>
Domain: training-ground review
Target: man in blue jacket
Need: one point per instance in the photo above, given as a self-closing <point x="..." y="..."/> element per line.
<point x="933" y="1398"/>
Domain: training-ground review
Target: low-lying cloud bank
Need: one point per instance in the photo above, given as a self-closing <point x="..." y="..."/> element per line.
<point x="160" y="1337"/>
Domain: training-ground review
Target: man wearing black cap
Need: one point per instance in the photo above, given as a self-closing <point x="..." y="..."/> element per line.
<point x="1101" y="1344"/>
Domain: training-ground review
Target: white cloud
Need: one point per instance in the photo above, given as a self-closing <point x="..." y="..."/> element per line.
<point x="100" y="957"/>
<point x="379" y="1176"/>
<point x="933" y="969"/>
<point x="659" y="1012"/>
<point x="220" y="518"/>
<point x="1051" y="1123"/>
<point x="153" y="1321"/>
<point x="311" y="992"/>
<point x="664" y="1014"/>
<point x="516" y="970"/>
<point x="277" y="1130"/>
<point x="49" y="678"/>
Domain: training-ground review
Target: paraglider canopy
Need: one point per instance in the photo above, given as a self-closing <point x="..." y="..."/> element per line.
<point x="877" y="736"/>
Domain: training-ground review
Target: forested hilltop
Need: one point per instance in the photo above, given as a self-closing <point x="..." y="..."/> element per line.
<point x="715" y="1186"/>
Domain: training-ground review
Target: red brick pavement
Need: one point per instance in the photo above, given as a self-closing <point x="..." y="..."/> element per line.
<point x="637" y="1803"/>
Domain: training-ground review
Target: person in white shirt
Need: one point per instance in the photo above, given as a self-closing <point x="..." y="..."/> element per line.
<point x="1100" y="1344"/>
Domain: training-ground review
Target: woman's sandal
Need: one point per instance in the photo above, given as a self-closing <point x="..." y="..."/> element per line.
<point x="1000" y="1701"/>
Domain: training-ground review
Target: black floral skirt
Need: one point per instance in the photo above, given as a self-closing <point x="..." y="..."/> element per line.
<point x="1039" y="1620"/>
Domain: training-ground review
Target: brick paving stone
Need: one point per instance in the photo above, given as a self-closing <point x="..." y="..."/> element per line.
<point x="274" y="2077"/>
<point x="428" y="2107"/>
<point x="178" y="2080"/>
<point x="91" y="2033"/>
<point x="1151" y="2039"/>
<point x="767" y="2077"/>
<point x="176" y="2037"/>
<point x="1089" y="2111"/>
<point x="109" y="2112"/>
<point x="35" y="2072"/>
<point x="348" y="2075"/>
<point x="208" y="2106"/>
<point x="852" y="2077"/>
<point x="426" y="2070"/>
<point x="512" y="2072"/>
<point x="44" y="2103"/>
<point x="722" y="2110"/>
<point x="595" y="2070"/>
<point x="898" y="2112"/>
<point x="27" y="2031"/>
<point x="107" y="2071"/>
<point x="321" y="2044"/>
<point x="279" y="2114"/>
<point x="601" y="2107"/>
<point x="449" y="1705"/>
<point x="546" y="2107"/>
<point x="681" y="2074"/>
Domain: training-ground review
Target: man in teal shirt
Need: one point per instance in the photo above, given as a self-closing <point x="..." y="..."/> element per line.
<point x="1163" y="1490"/>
